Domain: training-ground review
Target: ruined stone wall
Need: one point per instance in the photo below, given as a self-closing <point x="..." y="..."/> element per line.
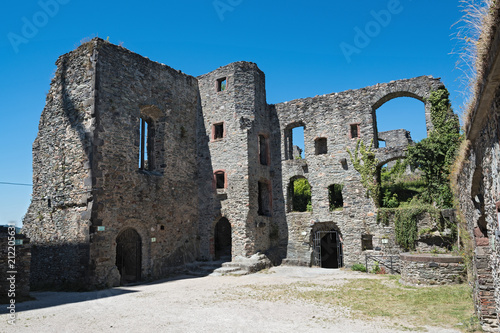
<point x="159" y="201"/>
<point x="58" y="219"/>
<point x="90" y="185"/>
<point x="477" y="181"/>
<point x="432" y="269"/>
<point x="332" y="117"/>
<point x="479" y="192"/>
<point x="87" y="184"/>
<point x="395" y="138"/>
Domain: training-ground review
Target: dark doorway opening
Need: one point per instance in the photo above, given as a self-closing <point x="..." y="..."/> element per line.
<point x="222" y="239"/>
<point x="128" y="256"/>
<point x="328" y="249"/>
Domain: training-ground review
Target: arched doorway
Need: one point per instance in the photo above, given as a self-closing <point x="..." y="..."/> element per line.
<point x="128" y="256"/>
<point x="222" y="239"/>
<point x="328" y="249"/>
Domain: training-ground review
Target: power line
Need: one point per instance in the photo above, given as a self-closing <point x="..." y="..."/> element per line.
<point x="16" y="184"/>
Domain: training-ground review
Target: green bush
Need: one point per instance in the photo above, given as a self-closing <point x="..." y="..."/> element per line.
<point x="301" y="201"/>
<point x="359" y="268"/>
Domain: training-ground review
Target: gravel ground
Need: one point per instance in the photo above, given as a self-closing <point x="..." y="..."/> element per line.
<point x="196" y="304"/>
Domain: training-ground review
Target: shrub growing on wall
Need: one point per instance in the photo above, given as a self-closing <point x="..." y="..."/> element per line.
<point x="435" y="154"/>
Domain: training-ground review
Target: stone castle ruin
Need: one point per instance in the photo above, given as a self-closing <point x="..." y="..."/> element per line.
<point x="139" y="169"/>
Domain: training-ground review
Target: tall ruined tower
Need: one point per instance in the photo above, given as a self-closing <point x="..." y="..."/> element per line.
<point x="235" y="161"/>
<point x="114" y="170"/>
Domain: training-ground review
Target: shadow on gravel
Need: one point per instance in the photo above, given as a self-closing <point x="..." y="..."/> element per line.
<point x="47" y="299"/>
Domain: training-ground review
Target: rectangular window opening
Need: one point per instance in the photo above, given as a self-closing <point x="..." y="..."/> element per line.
<point x="367" y="242"/>
<point x="294" y="142"/>
<point x="335" y="197"/>
<point x="218" y="131"/>
<point x="222" y="84"/>
<point x="220" y="180"/>
<point x="354" y="131"/>
<point x="321" y="146"/>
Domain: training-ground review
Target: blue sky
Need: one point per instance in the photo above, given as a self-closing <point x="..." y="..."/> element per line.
<point x="305" y="49"/>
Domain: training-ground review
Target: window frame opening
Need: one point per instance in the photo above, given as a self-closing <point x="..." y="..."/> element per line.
<point x="321" y="146"/>
<point x="354" y="131"/>
<point x="366" y="242"/>
<point x="335" y="198"/>
<point x="222" y="84"/>
<point x="146" y="137"/>
<point x="299" y="203"/>
<point x="290" y="148"/>
<point x="218" y="131"/>
<point x="220" y="180"/>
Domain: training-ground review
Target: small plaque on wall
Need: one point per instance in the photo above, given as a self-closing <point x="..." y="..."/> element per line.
<point x="101" y="228"/>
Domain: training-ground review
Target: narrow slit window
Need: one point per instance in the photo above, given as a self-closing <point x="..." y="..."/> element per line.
<point x="263" y="150"/>
<point x="222" y="84"/>
<point x="354" y="131"/>
<point x="218" y="131"/>
<point x="264" y="199"/>
<point x="145" y="144"/>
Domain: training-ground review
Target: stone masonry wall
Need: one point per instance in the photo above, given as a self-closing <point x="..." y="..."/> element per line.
<point x="479" y="194"/>
<point x="432" y="269"/>
<point x="58" y="219"/>
<point x="157" y="202"/>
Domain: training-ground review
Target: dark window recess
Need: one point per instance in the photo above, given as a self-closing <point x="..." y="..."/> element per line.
<point x="162" y="227"/>
<point x="218" y="131"/>
<point x="335" y="196"/>
<point x="264" y="199"/>
<point x="220" y="180"/>
<point x="221" y="84"/>
<point x="367" y="242"/>
<point x="263" y="150"/>
<point x="354" y="131"/>
<point x="321" y="146"/>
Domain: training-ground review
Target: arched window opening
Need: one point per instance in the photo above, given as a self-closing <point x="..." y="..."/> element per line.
<point x="151" y="139"/>
<point x="399" y="121"/>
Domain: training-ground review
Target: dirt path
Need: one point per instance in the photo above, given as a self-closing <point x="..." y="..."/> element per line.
<point x="190" y="304"/>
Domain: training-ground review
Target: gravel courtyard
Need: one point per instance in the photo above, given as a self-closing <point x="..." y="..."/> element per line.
<point x="200" y="304"/>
